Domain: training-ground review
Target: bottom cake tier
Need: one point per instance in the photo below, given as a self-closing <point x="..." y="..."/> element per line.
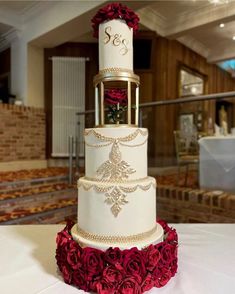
<point x="116" y="271"/>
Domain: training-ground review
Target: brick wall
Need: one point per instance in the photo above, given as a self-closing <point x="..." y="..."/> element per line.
<point x="185" y="205"/>
<point x="22" y="133"/>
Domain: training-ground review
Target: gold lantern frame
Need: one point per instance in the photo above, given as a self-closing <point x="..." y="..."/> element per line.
<point x="114" y="76"/>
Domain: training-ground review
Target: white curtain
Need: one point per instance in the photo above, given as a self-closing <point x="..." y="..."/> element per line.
<point x="68" y="98"/>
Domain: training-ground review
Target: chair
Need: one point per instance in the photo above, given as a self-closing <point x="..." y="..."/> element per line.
<point x="187" y="152"/>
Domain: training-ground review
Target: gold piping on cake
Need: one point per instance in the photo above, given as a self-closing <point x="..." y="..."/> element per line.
<point x="127" y="138"/>
<point x="114" y="239"/>
<point x="103" y="189"/>
<point x="97" y="145"/>
<point x="115" y="69"/>
<point x="115" y="198"/>
<point x="117" y="182"/>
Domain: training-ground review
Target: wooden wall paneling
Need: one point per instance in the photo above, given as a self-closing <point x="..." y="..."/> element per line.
<point x="168" y="54"/>
<point x="160" y="94"/>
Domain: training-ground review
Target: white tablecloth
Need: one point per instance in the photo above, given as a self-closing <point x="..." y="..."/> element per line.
<point x="217" y="163"/>
<point x="206" y="260"/>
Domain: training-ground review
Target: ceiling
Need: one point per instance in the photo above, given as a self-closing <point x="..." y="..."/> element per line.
<point x="194" y="23"/>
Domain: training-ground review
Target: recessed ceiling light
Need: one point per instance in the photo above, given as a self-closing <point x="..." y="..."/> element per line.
<point x="221" y="25"/>
<point x="234" y="38"/>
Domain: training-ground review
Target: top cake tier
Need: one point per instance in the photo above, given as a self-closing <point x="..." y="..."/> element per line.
<point x="115" y="46"/>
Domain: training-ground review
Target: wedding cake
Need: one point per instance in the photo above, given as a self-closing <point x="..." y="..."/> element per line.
<point x="116" y="197"/>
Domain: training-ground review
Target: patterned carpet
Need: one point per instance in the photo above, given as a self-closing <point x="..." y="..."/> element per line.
<point x="44" y="195"/>
<point x="22" y="175"/>
<point x="37" y="196"/>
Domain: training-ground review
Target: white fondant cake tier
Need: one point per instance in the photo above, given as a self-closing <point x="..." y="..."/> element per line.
<point x="116" y="154"/>
<point x="155" y="238"/>
<point x="115" y="46"/>
<point x="114" y="209"/>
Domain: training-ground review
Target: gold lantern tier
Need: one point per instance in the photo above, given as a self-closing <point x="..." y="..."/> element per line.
<point x="100" y="82"/>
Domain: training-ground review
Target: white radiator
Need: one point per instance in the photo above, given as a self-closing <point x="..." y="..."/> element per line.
<point x="68" y="98"/>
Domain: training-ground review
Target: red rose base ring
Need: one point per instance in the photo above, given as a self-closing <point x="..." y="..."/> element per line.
<point x="117" y="271"/>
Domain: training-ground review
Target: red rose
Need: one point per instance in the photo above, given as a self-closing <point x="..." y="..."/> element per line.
<point x="92" y="260"/>
<point x="105" y="287"/>
<point x="171" y="236"/>
<point x="69" y="226"/>
<point x="115" y="96"/>
<point x="74" y="255"/>
<point x="134" y="263"/>
<point x="168" y="253"/>
<point x="129" y="286"/>
<point x="161" y="276"/>
<point x="66" y="274"/>
<point x="61" y="257"/>
<point x="63" y="238"/>
<point x="173" y="267"/>
<point x="112" y="275"/>
<point x="152" y="257"/>
<point x="147" y="284"/>
<point x="79" y="280"/>
<point x="113" y="255"/>
<point x="115" y="11"/>
<point x="164" y="225"/>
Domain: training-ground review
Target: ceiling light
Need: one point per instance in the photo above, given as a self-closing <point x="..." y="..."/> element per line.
<point x="217" y="2"/>
<point x="221" y="25"/>
<point x="234" y="38"/>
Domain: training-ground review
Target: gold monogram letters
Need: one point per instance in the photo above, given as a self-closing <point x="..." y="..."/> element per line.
<point x="116" y="40"/>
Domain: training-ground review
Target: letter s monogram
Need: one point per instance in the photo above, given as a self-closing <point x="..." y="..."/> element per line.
<point x="124" y="50"/>
<point x="107" y="32"/>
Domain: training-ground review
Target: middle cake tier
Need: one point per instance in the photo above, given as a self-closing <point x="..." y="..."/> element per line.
<point x="117" y="209"/>
<point x="116" y="154"/>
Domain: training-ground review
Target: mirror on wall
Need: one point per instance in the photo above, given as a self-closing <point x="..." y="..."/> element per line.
<point x="192" y="83"/>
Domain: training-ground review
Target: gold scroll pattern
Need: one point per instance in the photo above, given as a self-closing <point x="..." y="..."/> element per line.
<point x="127" y="138"/>
<point x="116" y="170"/>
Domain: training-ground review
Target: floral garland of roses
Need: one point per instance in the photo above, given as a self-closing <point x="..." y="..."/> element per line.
<point x="116" y="271"/>
<point x="115" y="11"/>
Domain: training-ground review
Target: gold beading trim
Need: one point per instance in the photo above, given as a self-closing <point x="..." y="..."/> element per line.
<point x="121" y="182"/>
<point x="115" y="69"/>
<point x="97" y="145"/>
<point x="127" y="138"/>
<point x="121" y="75"/>
<point x="136" y="145"/>
<point x="115" y="239"/>
<point x="103" y="189"/>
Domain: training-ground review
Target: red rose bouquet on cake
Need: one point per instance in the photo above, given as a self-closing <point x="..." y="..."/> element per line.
<point x="116" y="100"/>
<point x="115" y="11"/>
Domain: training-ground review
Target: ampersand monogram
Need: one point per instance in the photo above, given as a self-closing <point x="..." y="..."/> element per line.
<point x="116" y="40"/>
